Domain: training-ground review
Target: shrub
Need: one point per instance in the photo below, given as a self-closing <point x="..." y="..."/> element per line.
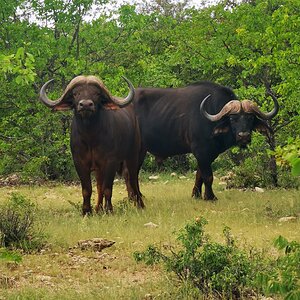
<point x="223" y="271"/>
<point x="284" y="278"/>
<point x="9" y="256"/>
<point x="18" y="225"/>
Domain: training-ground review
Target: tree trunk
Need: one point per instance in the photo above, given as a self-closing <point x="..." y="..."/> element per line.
<point x="272" y="162"/>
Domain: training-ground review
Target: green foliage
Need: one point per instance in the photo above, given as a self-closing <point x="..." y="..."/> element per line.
<point x="20" y="64"/>
<point x="251" y="46"/>
<point x="9" y="256"/>
<point x="18" y="225"/>
<point x="223" y="271"/>
<point x="289" y="155"/>
<point x="284" y="279"/>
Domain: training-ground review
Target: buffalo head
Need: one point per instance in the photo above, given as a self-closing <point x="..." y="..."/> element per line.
<point x="86" y="95"/>
<point x="241" y="118"/>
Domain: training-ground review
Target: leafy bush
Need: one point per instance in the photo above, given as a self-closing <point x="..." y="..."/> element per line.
<point x="289" y="155"/>
<point x="221" y="270"/>
<point x="18" y="225"/>
<point x="9" y="256"/>
<point x="284" y="279"/>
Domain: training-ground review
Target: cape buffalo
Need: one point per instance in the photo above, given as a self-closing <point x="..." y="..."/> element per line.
<point x="204" y="118"/>
<point x="104" y="135"/>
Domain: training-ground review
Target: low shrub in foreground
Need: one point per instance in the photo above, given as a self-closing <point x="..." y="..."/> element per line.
<point x="223" y="271"/>
<point x="284" y="278"/>
<point x="18" y="228"/>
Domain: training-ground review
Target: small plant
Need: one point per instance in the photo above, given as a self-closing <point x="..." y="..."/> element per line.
<point x="222" y="271"/>
<point x="284" y="278"/>
<point x="17" y="225"/>
<point x="9" y="256"/>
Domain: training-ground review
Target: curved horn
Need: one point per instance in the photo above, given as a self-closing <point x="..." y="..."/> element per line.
<point x="44" y="98"/>
<point x="251" y="107"/>
<point x="123" y="102"/>
<point x="232" y="107"/>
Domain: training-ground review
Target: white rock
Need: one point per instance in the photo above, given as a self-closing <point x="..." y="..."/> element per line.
<point x="151" y="224"/>
<point x="153" y="177"/>
<point x="173" y="174"/>
<point x="287" y="219"/>
<point x="259" y="190"/>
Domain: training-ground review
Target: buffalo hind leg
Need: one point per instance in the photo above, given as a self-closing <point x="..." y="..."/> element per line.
<point x="197" y="190"/>
<point x="133" y="183"/>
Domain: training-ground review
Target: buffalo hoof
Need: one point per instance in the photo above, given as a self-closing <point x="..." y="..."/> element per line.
<point x="210" y="198"/>
<point x="196" y="194"/>
<point x="87" y="211"/>
<point x="140" y="204"/>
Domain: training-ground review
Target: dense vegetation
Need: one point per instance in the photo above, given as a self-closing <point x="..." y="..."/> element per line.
<point x="251" y="45"/>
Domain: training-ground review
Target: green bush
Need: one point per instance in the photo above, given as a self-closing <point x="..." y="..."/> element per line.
<point x="18" y="227"/>
<point x="9" y="256"/>
<point x="284" y="278"/>
<point x="223" y="271"/>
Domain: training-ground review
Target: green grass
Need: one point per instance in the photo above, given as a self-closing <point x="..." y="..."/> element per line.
<point x="57" y="273"/>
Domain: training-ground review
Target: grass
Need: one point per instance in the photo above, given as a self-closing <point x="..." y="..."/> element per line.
<point x="61" y="273"/>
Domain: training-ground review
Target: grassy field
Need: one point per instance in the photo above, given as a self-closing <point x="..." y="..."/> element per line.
<point x="61" y="272"/>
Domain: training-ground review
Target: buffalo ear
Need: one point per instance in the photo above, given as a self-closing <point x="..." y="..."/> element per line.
<point x="63" y="107"/>
<point x="220" y="130"/>
<point x="263" y="127"/>
<point x="66" y="103"/>
<point x="110" y="106"/>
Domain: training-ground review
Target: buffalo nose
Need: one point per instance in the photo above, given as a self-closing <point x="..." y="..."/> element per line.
<point x="86" y="104"/>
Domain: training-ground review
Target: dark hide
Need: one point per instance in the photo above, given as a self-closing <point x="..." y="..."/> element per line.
<point x="171" y="123"/>
<point x="103" y="137"/>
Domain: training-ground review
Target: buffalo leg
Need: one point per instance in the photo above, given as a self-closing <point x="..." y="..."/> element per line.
<point x="129" y="188"/>
<point x="84" y="175"/>
<point x="107" y="186"/>
<point x="197" y="190"/>
<point x="86" y="185"/>
<point x="206" y="175"/>
<point x="99" y="179"/>
<point x="133" y="167"/>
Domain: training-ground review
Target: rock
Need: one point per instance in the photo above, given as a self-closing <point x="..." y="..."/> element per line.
<point x="173" y="174"/>
<point x="95" y="244"/>
<point x="182" y="177"/>
<point x="151" y="224"/>
<point x="153" y="177"/>
<point x="287" y="219"/>
<point x="43" y="278"/>
<point x="259" y="190"/>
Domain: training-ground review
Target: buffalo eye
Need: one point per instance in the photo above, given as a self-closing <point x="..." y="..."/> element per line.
<point x="233" y="119"/>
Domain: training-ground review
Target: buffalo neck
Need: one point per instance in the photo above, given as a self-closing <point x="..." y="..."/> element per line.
<point x="88" y="127"/>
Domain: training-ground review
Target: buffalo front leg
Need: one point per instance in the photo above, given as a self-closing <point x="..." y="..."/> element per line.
<point x="197" y="190"/>
<point x="86" y="186"/>
<point x="99" y="204"/>
<point x="107" y="186"/>
<point x="206" y="175"/>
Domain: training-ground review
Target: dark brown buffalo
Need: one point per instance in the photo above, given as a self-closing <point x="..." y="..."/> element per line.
<point x="104" y="135"/>
<point x="204" y="118"/>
